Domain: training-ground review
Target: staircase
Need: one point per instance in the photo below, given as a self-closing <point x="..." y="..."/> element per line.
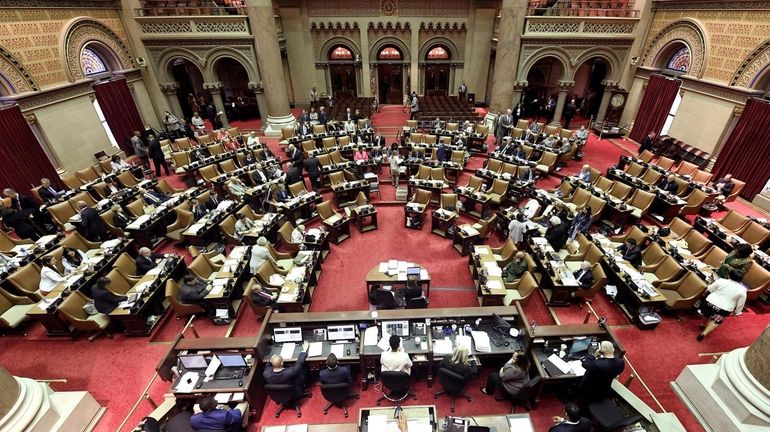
<point x="39" y="409"/>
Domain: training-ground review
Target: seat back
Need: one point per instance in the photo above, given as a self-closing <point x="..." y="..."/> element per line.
<point x="682" y="186"/>
<point x="182" y="143"/>
<point x="228" y="165"/>
<point x="72" y="310"/>
<point x="475" y="182"/>
<point x="397" y="382"/>
<point x="714" y="256"/>
<point x="72" y="181"/>
<point x="62" y="212"/>
<point x="634" y="169"/>
<point x="325" y="210"/>
<point x="136" y="207"/>
<point x="526" y="287"/>
<point x="691" y="286"/>
<point x="82" y="196"/>
<point x="653" y="254"/>
<point x="284" y="232"/>
<point x="695" y="201"/>
<point x="701" y="176"/>
<point x="336" y="393"/>
<point x="297" y="188"/>
<point x="201" y="267"/>
<point x="451" y="381"/>
<point x="620" y="190"/>
<point x="87" y="174"/>
<point x="668" y="269"/>
<point x="527" y="392"/>
<point x="423" y="172"/>
<point x="420" y="302"/>
<point x="26" y="280"/>
<point x="646" y="156"/>
<point x="757" y="279"/>
<point x="686" y="168"/>
<point x="448" y="202"/>
<point x="205" y="140"/>
<point x="125" y="264"/>
<point x="665" y="163"/>
<point x="119" y="284"/>
<point x="734" y="221"/>
<point x="696" y="242"/>
<point x="651" y="176"/>
<point x="499" y="187"/>
<point x="180" y="159"/>
<point x="422" y="196"/>
<point x="739" y="185"/>
<point x="494" y="165"/>
<point x="411" y="124"/>
<point x="642" y="200"/>
<point x="603" y="183"/>
<point x="679" y="227"/>
<point x="127" y="179"/>
<point x="180" y="309"/>
<point x="281" y="393"/>
<point x="384" y="298"/>
<point x="227" y="226"/>
<point x="438" y="174"/>
<point x="755" y="234"/>
<point x="287" y="132"/>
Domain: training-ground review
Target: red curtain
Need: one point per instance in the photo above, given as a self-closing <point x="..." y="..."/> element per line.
<point x="746" y="154"/>
<point x="22" y="161"/>
<point x="120" y="111"/>
<point x="656" y="104"/>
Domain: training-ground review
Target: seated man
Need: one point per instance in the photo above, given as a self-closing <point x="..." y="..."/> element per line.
<point x="395" y="359"/>
<point x="631" y="252"/>
<point x="194" y="291"/>
<point x="334" y="373"/>
<point x="574" y="422"/>
<point x="49" y="192"/>
<point x="515" y="269"/>
<point x="262" y="297"/>
<point x="584" y="276"/>
<point x="212" y="418"/>
<point x="413" y="289"/>
<point x="724" y="186"/>
<point x="668" y="184"/>
<point x="153" y="198"/>
<point x="243" y="226"/>
<point x="146" y="261"/>
<point x="277" y="373"/>
<point x="581" y="135"/>
<point x="556" y="234"/>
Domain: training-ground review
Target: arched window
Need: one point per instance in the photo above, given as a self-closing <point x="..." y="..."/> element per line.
<point x="389" y="53"/>
<point x="680" y="61"/>
<point x="340" y="53"/>
<point x="91" y="63"/>
<point x="438" y="53"/>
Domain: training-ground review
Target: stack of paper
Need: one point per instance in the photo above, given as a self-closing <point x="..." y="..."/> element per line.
<point x="577" y="367"/>
<point x="464" y="340"/>
<point x="384" y="343"/>
<point x="370" y="336"/>
<point x="559" y="363"/>
<point x="287" y="350"/>
<point x="315" y="349"/>
<point x="442" y="346"/>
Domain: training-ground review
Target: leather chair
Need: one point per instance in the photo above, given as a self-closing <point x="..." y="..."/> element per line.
<point x="595" y="174"/>
<point x="679" y="227"/>
<point x="620" y="190"/>
<point x="646" y="156"/>
<point x="386" y="299"/>
<point x="13" y="309"/>
<point x="651" y="176"/>
<point x="522" y="124"/>
<point x="484" y="226"/>
<point x="603" y="183"/>
<point x="754" y="234"/>
<point x="609" y="416"/>
<point x="734" y="221"/>
<point x="284" y="395"/>
<point x="520" y="290"/>
<point x="126" y="266"/>
<point x="247" y="211"/>
<point x="136" y="208"/>
<point x="499" y="192"/>
<point x="576" y="252"/>
<point x="121" y="284"/>
<point x="127" y="179"/>
<point x="423" y="173"/>
<point x="285" y="235"/>
<point x="476" y="183"/>
<point x="686" y="168"/>
<point x="682" y="186"/>
<point x="634" y="169"/>
<point x="336" y="178"/>
<point x="597" y="207"/>
<point x="77" y="241"/>
<point x="701" y="176"/>
<point x="579" y="199"/>
<point x="652" y="256"/>
<point x="453" y="385"/>
<point x="228" y="166"/>
<point x="297" y="188"/>
<point x="420" y="302"/>
<point x="420" y="202"/>
<point x="227" y="228"/>
<point x="71" y="309"/>
<point x="213" y="252"/>
<point x="7" y="243"/>
<point x="547" y="162"/>
<point x="600" y="279"/>
<point x="665" y="163"/>
<point x="684" y="292"/>
<point x="180" y="309"/>
<point x="641" y="201"/>
<point x="739" y="185"/>
<point x="634" y="233"/>
<point x="438" y="174"/>
<point x="259" y="310"/>
<point x="179" y="160"/>
<point x="458" y="156"/>
<point x="695" y="201"/>
<point x="202" y="267"/>
<point x="666" y="270"/>
<point x="216" y="149"/>
<point x="757" y="280"/>
<point x="697" y="243"/>
<point x="61" y="213"/>
<point x="108" y="219"/>
<point x="284" y="260"/>
<point x="82" y="196"/>
<point x="265" y="273"/>
<point x="205" y="140"/>
<point x="87" y="174"/>
<point x="184" y="219"/>
<point x="210" y="173"/>
<point x="26" y="281"/>
<point x="524" y="396"/>
<point x="565" y="188"/>
<point x="713" y="256"/>
<point x="337" y="224"/>
<point x="72" y="181"/>
<point x="397" y="384"/>
<point x="505" y="253"/>
<point x="182" y="143"/>
<point x="336" y="394"/>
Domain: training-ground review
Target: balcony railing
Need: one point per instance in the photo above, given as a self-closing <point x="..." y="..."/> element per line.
<point x="584" y="8"/>
<point x="190" y="8"/>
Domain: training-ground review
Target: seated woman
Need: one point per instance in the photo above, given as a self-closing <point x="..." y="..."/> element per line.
<point x="72" y="259"/>
<point x="105" y="300"/>
<point x="236" y="187"/>
<point x="512" y="376"/>
<point x="516" y="268"/>
<point x="49" y="276"/>
<point x="117" y="164"/>
<point x="460" y="363"/>
<point x="585" y="173"/>
<point x="739" y="261"/>
<point x="243" y="226"/>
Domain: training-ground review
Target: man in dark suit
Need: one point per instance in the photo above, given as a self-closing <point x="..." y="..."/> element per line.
<point x="198" y="210"/>
<point x="47" y="191"/>
<point x="214" y="200"/>
<point x="646" y="143"/>
<point x="92" y="225"/>
<point x="725" y="185"/>
<point x="601" y="368"/>
<point x="323" y="116"/>
<point x="334" y="373"/>
<point x="293" y="174"/>
<point x="157" y="156"/>
<point x="556" y="234"/>
<point x="668" y="184"/>
<point x="146" y="261"/>
<point x="631" y="251"/>
<point x="295" y="156"/>
<point x="584" y="275"/>
<point x="574" y="422"/>
<point x="313" y="168"/>
<point x="19" y="223"/>
<point x="277" y="373"/>
<point x="105" y="301"/>
<point x="259" y="176"/>
<point x="28" y="208"/>
<point x="194" y="291"/>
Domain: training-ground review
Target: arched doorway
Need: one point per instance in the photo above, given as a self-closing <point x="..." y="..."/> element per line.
<point x="191" y="95"/>
<point x="588" y="89"/>
<point x="543" y="88"/>
<point x="437" y="70"/>
<point x="342" y="72"/>
<point x="390" y="75"/>
<point x="240" y="102"/>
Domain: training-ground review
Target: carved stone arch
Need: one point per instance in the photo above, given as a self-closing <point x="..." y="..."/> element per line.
<point x="15" y="74"/>
<point x="454" y="53"/>
<point x="213" y="56"/>
<point x="606" y="54"/>
<point x="167" y="56"/>
<point x="323" y="54"/>
<point x="81" y="31"/>
<point x="557" y="53"/>
<point x="687" y="31"/>
<point x="389" y="40"/>
<point x="753" y="68"/>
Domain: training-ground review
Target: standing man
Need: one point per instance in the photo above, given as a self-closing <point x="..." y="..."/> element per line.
<point x="313" y="98"/>
<point x="646" y="143"/>
<point x="156" y="153"/>
<point x="601" y="368"/>
<point x="462" y="91"/>
<point x="140" y="149"/>
<point x="504" y="126"/>
<point x="313" y="168"/>
<point x="414" y="106"/>
<point x="172" y="125"/>
<point x="569" y="112"/>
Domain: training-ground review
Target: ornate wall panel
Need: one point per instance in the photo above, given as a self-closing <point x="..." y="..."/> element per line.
<point x="752" y="67"/>
<point x="323" y="32"/>
<point x="452" y="32"/>
<point x="434" y="8"/>
<point x="15" y="72"/>
<point x="193" y="27"/>
<point x="401" y="32"/>
<point x="87" y="30"/>
<point x="683" y="31"/>
<point x="342" y="8"/>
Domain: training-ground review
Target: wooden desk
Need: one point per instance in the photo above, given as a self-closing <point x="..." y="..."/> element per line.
<point x="434" y="186"/>
<point x="473" y="200"/>
<point x="558" y="282"/>
<point x="347" y="191"/>
<point x="207" y="228"/>
<point x="486" y="274"/>
<point x="365" y="217"/>
<point x="266" y="226"/>
<point x="300" y="209"/>
<point x="465" y="237"/>
<point x="441" y="221"/>
<point x="376" y="277"/>
<point x="150" y="229"/>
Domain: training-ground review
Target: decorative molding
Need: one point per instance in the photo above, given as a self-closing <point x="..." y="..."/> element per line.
<point x="588" y="27"/>
<point x="442" y="27"/>
<point x="92" y="97"/>
<point x="738" y="110"/>
<point x="684" y="31"/>
<point x="31" y="118"/>
<point x="736" y="95"/>
<point x="388" y="7"/>
<point x="84" y="31"/>
<point x="711" y="5"/>
<point x="169" y="88"/>
<point x="566" y="85"/>
<point x="610" y="84"/>
<point x="257" y="87"/>
<point x="566" y="40"/>
<point x="752" y="67"/>
<point x="165" y="42"/>
<point x="213" y="87"/>
<point x="60" y="4"/>
<point x="51" y="96"/>
<point x="194" y="26"/>
<point x="16" y="73"/>
<point x="520" y="85"/>
<point x="330" y="26"/>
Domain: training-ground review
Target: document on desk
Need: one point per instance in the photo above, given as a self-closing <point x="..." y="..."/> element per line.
<point x="274" y="429"/>
<point x="296" y="428"/>
<point x="559" y="363"/>
<point x="383" y="267"/>
<point x="287" y="350"/>
<point x="464" y="340"/>
<point x="481" y="340"/>
<point x="494" y="284"/>
<point x="187" y="382"/>
<point x="315" y="349"/>
<point x="442" y="346"/>
<point x="384" y="342"/>
<point x="370" y="336"/>
<point x="424" y="274"/>
<point x="338" y="350"/>
<point x="520" y="424"/>
<point x="577" y="367"/>
<point x="377" y="423"/>
<point x="212" y="367"/>
<point x="222" y="398"/>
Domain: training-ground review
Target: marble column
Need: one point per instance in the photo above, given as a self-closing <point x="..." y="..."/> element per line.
<point x="518" y="91"/>
<point x="262" y="22"/>
<point x="609" y="87"/>
<point x="564" y="89"/>
<point x="366" y="88"/>
<point x="215" y="89"/>
<point x="259" y="92"/>
<point x="512" y="15"/>
<point x="170" y="90"/>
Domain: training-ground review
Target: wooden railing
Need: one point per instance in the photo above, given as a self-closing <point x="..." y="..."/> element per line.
<point x="189" y="8"/>
<point x="584" y="8"/>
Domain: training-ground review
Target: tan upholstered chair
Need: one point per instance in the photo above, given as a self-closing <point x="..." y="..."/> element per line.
<point x="337" y="224"/>
<point x="126" y="266"/>
<point x="476" y="183"/>
<point x="438" y="174"/>
<point x="701" y="176"/>
<point x="61" y="214"/>
<point x="666" y="270"/>
<point x="547" y="162"/>
<point x="620" y="190"/>
<point x="119" y="283"/>
<point x="600" y="279"/>
<point x="127" y="179"/>
<point x="7" y="242"/>
<point x="603" y="183"/>
<point x="505" y="253"/>
<point x="683" y="293"/>
<point x="739" y="185"/>
<point x="71" y="309"/>
<point x="136" y="207"/>
<point x="259" y="311"/>
<point x="634" y="233"/>
<point x="713" y="256"/>
<point x="651" y="176"/>
<point x="697" y="243"/>
<point x="734" y="221"/>
<point x="634" y="169"/>
<point x="652" y="256"/>
<point x="665" y="163"/>
<point x="87" y="174"/>
<point x="494" y="165"/>
<point x="646" y="156"/>
<point x="77" y="241"/>
<point x="499" y="192"/>
<point x="754" y="234"/>
<point x="203" y="267"/>
<point x="679" y="227"/>
<point x="520" y="290"/>
<point x="179" y="160"/>
<point x="26" y="281"/>
<point x="166" y="188"/>
<point x="580" y="198"/>
<point x="757" y="279"/>
<point x="686" y="168"/>
<point x="184" y="219"/>
<point x="641" y="201"/>
<point x="173" y="297"/>
<point x="72" y="181"/>
<point x="265" y="273"/>
<point x="13" y="309"/>
<point x="695" y="201"/>
<point x="284" y="233"/>
<point x="423" y="173"/>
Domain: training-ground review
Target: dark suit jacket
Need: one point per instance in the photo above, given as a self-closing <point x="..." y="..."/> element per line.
<point x="25" y="204"/>
<point x="46" y="194"/>
<point x="212" y="203"/>
<point x="583" y="425"/>
<point x="557" y="236"/>
<point x="104" y="300"/>
<point x="92" y="224"/>
<point x="193" y="293"/>
<point x="296" y="157"/>
<point x="668" y="186"/>
<point x="586" y="280"/>
<point x="728" y="187"/>
<point x="293" y="175"/>
<point x="199" y="211"/>
<point x="257" y="178"/>
<point x="294" y="374"/>
<point x="154" y="150"/>
<point x="341" y="374"/>
<point x="143" y="265"/>
<point x="119" y="221"/>
<point x="313" y="167"/>
<point x="599" y="375"/>
<point x="634" y="256"/>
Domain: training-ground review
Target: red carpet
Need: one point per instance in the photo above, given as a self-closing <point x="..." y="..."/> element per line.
<point x="117" y="370"/>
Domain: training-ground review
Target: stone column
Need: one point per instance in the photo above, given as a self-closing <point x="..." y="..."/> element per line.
<point x="609" y="87"/>
<point x="518" y="91"/>
<point x="366" y="72"/>
<point x="170" y="90"/>
<point x="262" y="22"/>
<point x="259" y="92"/>
<point x="564" y="88"/>
<point x="512" y="15"/>
<point x="215" y="89"/>
<point x="414" y="56"/>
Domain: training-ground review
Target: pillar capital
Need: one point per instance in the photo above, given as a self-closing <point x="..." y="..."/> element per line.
<point x="738" y="110"/>
<point x="256" y="87"/>
<point x="566" y="85"/>
<point x="213" y="87"/>
<point x="610" y="84"/>
<point x="169" y="88"/>
<point x="520" y="85"/>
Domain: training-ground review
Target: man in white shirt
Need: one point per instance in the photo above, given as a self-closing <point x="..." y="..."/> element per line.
<point x="197" y="122"/>
<point x="395" y="359"/>
<point x="298" y="234"/>
<point x="726" y="297"/>
<point x="253" y="139"/>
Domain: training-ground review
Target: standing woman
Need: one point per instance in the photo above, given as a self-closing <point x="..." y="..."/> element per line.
<point x="394" y="167"/>
<point x="726" y="297"/>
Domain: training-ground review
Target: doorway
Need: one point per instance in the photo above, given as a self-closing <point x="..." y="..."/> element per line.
<point x="390" y="75"/>
<point x="437" y="63"/>
<point x="342" y="71"/>
<point x="190" y="94"/>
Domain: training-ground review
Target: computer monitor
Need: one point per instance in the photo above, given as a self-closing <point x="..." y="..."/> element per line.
<point x="580" y="346"/>
<point x="341" y="332"/>
<point x="287" y="334"/>
<point x="413" y="271"/>
<point x="398" y="328"/>
<point x="193" y="362"/>
<point x="232" y="360"/>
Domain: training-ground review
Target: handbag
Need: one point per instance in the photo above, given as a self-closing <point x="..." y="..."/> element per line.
<point x="90" y="308"/>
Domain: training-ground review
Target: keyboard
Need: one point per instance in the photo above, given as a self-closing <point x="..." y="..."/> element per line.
<point x="228" y="373"/>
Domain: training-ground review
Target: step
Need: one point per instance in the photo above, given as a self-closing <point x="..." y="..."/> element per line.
<point x="32" y="406"/>
<point x="76" y="410"/>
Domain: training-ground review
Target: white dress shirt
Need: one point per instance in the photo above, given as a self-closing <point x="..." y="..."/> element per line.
<point x="49" y="278"/>
<point x="727" y="295"/>
<point x="398" y="361"/>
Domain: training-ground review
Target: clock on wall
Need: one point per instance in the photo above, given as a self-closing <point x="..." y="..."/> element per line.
<point x="617" y="103"/>
<point x="618" y="100"/>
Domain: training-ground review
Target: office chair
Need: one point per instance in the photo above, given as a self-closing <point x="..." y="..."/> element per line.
<point x="386" y="299"/>
<point x="337" y="394"/>
<point x="150" y="425"/>
<point x="609" y="416"/>
<point x="524" y="396"/>
<point x="398" y="383"/>
<point x="284" y="395"/>
<point x="453" y="385"/>
<point x="417" y="303"/>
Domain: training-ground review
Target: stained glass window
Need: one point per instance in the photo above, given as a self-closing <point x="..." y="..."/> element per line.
<point x="341" y="53"/>
<point x="438" y="53"/>
<point x="91" y="63"/>
<point x="680" y="61"/>
<point x="390" y="53"/>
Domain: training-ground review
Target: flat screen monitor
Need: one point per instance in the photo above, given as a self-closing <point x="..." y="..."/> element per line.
<point x="341" y="332"/>
<point x="232" y="360"/>
<point x="398" y="328"/>
<point x="413" y="271"/>
<point x="287" y="334"/>
<point x="580" y="346"/>
<point x="193" y="362"/>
